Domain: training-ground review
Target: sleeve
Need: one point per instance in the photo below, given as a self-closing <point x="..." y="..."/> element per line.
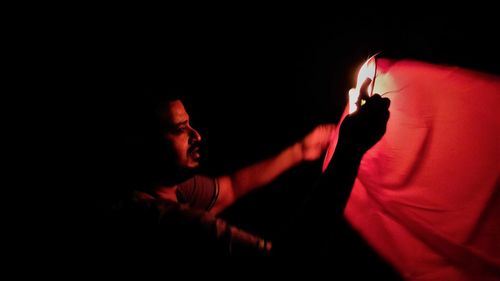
<point x="199" y="192"/>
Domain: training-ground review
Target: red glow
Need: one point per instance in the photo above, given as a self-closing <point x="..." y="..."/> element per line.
<point x="427" y="196"/>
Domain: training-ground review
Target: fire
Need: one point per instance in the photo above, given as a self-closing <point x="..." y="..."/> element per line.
<point x="367" y="70"/>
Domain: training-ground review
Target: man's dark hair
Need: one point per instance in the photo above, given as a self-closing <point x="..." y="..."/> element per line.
<point x="146" y="146"/>
<point x="155" y="100"/>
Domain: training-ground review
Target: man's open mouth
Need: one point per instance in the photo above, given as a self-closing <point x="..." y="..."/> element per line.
<point x="195" y="152"/>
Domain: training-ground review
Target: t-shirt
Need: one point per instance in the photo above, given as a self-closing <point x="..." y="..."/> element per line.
<point x="186" y="227"/>
<point x="199" y="192"/>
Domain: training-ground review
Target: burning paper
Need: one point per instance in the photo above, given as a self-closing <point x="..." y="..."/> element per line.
<point x="367" y="71"/>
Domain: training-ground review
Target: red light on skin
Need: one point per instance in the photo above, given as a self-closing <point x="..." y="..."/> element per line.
<point x="367" y="70"/>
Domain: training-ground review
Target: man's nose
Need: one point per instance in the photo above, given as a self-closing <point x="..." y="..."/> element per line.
<point x="195" y="136"/>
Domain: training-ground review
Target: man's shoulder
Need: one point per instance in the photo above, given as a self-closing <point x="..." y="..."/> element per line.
<point x="197" y="179"/>
<point x="199" y="192"/>
<point x="141" y="203"/>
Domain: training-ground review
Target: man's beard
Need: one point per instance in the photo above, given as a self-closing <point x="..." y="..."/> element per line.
<point x="173" y="174"/>
<point x="170" y="172"/>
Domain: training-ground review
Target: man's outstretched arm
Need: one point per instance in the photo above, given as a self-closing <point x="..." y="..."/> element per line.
<point x="358" y="133"/>
<point x="249" y="178"/>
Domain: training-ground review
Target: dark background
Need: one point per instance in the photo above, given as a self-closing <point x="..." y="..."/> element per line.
<point x="257" y="81"/>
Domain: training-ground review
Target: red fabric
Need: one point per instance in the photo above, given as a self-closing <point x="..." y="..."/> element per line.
<point x="427" y="196"/>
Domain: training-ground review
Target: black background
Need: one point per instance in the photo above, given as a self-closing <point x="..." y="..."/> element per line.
<point x="258" y="81"/>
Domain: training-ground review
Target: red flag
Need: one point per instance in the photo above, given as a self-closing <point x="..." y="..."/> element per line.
<point x="427" y="196"/>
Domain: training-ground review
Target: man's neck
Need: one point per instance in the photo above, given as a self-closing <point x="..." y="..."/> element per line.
<point x="166" y="187"/>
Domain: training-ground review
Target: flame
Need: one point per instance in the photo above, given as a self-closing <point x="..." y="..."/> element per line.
<point x="367" y="70"/>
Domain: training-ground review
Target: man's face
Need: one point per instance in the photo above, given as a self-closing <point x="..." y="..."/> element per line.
<point x="181" y="137"/>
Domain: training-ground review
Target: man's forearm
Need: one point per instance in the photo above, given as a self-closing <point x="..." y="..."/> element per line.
<point x="323" y="207"/>
<point x="263" y="172"/>
<point x="336" y="183"/>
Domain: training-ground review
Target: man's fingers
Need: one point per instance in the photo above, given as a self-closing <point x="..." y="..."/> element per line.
<point x="363" y="91"/>
<point x="377" y="101"/>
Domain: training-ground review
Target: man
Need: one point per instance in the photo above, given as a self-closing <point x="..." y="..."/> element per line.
<point x="183" y="142"/>
<point x="178" y="209"/>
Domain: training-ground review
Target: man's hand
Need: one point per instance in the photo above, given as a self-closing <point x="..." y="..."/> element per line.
<point x="315" y="143"/>
<point x="362" y="129"/>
